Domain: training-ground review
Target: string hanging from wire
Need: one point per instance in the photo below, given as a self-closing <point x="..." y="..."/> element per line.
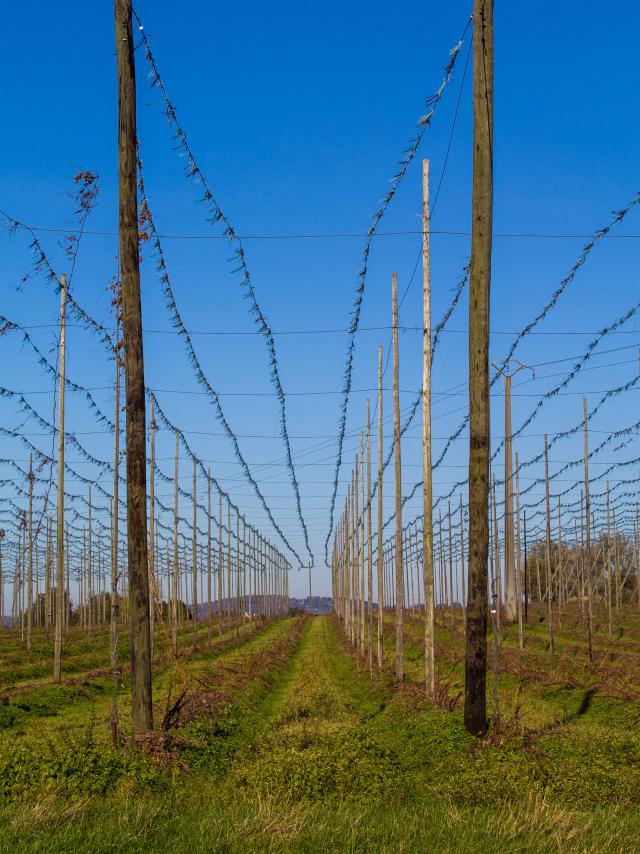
<point x="147" y="223"/>
<point x="217" y="216"/>
<point x="408" y="156"/>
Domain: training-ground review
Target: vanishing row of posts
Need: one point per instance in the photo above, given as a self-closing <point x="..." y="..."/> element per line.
<point x="593" y="577"/>
<point x="252" y="576"/>
<point x="348" y="532"/>
<point x="255" y="560"/>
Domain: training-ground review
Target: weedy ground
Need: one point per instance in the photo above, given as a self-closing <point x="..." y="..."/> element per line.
<point x="280" y="739"/>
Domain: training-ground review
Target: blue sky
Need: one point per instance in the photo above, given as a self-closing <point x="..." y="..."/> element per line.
<point x="298" y="116"/>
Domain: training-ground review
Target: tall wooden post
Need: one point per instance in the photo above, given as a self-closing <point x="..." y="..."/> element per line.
<point x="209" y="556"/>
<point x="380" y="545"/>
<point x="141" y="700"/>
<point x="462" y="567"/>
<point x="362" y="549"/>
<point x="637" y="549"/>
<point x="229" y="564"/>
<point x="496" y="562"/>
<point x="2" y="536"/>
<point x="559" y="567"/>
<point x="526" y="568"/>
<point x="115" y="603"/>
<point x="90" y="571"/>
<point x="152" y="522"/>
<point x="238" y="572"/>
<point x="60" y="606"/>
<point x="48" y="598"/>
<point x="518" y="559"/>
<point x="30" y="564"/>
<point x="220" y="577"/>
<point x="607" y="563"/>
<point x="548" y="548"/>
<point x="509" y="563"/>
<point x="398" y="468"/>
<point x="427" y="488"/>
<point x="475" y="704"/>
<point x="587" y="511"/>
<point x="176" y="567"/>
<point x="369" y="542"/>
<point x="194" y="589"/>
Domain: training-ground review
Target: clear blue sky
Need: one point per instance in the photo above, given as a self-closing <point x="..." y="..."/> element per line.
<point x="298" y="115"/>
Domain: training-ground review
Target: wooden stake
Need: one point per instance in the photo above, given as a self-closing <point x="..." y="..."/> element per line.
<point x="548" y="548"/>
<point x="176" y="564"/>
<point x="60" y="607"/>
<point x="518" y="559"/>
<point x="398" y="467"/>
<point x="194" y="590"/>
<point x="427" y="488"/>
<point x="587" y="511"/>
<point x="220" y="577"/>
<point x="475" y="703"/>
<point x="607" y="577"/>
<point x="509" y="564"/>
<point x="141" y="700"/>
<point x="380" y="545"/>
<point x="209" y="556"/>
<point x="369" y="541"/>
<point x="115" y="604"/>
<point x="30" y="566"/>
<point x="89" y="575"/>
<point x="152" y="529"/>
<point x="362" y="549"/>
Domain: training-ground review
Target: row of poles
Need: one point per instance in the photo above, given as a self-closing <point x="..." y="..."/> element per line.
<point x="247" y="577"/>
<point x="552" y="565"/>
<point x="482" y="596"/>
<point x="256" y="573"/>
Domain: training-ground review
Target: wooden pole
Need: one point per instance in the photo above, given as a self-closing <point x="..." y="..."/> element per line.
<point x="548" y="548"/>
<point x="475" y="703"/>
<point x="89" y="573"/>
<point x="380" y="545"/>
<point x="115" y="603"/>
<point x="496" y="561"/>
<point x="509" y="563"/>
<point x="369" y="541"/>
<point x="176" y="566"/>
<point x="209" y="556"/>
<point x="362" y="549"/>
<point x="518" y="559"/>
<point x="152" y="517"/>
<point x="30" y="565"/>
<point x="237" y="609"/>
<point x="194" y="590"/>
<point x="587" y="510"/>
<point x="48" y="569"/>
<point x="220" y="577"/>
<point x="57" y="655"/>
<point x="559" y="568"/>
<point x="2" y="536"/>
<point x="462" y="568"/>
<point x="141" y="699"/>
<point x="608" y="573"/>
<point x="450" y="567"/>
<point x="228" y="565"/>
<point x="399" y="669"/>
<point x="427" y="488"/>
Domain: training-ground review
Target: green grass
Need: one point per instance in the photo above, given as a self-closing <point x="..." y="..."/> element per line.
<point x="293" y="746"/>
